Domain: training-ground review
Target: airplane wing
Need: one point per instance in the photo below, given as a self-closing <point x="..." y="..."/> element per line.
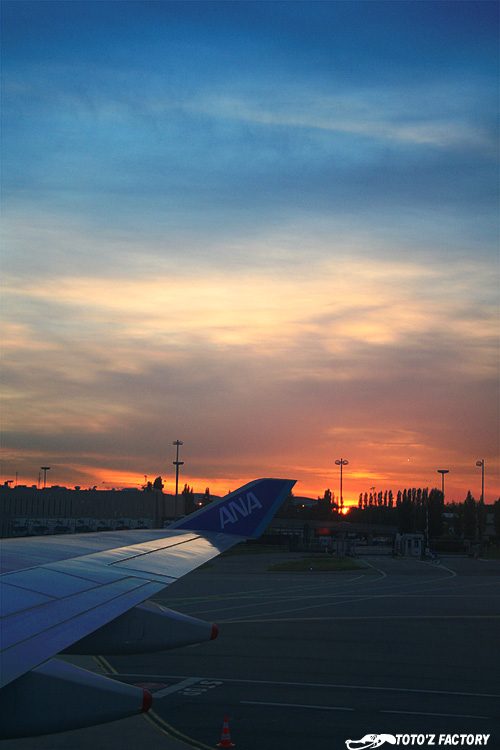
<point x="91" y="602"/>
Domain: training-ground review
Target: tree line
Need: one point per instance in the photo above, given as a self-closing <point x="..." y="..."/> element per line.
<point x="414" y="510"/>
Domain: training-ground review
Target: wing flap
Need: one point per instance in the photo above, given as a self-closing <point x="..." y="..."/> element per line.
<point x="46" y="581"/>
<point x="179" y="560"/>
<point x="15" y="599"/>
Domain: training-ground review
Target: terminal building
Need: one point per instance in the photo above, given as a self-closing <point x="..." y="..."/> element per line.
<point x="28" y="511"/>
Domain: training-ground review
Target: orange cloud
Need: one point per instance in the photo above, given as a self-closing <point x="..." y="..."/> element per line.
<point x="369" y="358"/>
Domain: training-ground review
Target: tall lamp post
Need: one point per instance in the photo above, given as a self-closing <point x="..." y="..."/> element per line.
<point x="177" y="463"/>
<point x="341" y="462"/>
<point x="481" y="464"/>
<point x="481" y="506"/>
<point x="45" y="470"/>
<point x="443" y="472"/>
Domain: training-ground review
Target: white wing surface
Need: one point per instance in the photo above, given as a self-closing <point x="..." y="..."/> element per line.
<point x="46" y="608"/>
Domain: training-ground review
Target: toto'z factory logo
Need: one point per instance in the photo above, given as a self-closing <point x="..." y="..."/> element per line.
<point x="418" y="740"/>
<point x="371" y="740"/>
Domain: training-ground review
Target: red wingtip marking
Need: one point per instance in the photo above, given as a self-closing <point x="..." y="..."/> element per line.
<point x="147" y="701"/>
<point x="215" y="632"/>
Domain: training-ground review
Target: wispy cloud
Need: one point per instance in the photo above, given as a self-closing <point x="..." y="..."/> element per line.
<point x="418" y="117"/>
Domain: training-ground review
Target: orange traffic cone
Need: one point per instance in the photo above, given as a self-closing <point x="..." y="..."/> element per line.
<point x="225" y="740"/>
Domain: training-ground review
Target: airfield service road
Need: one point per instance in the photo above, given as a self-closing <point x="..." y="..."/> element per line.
<point x="309" y="660"/>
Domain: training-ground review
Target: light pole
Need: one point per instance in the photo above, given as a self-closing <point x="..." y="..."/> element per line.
<point x="481" y="464"/>
<point x="481" y="506"/>
<point x="443" y="472"/>
<point x="341" y="462"/>
<point x="177" y="463"/>
<point x="45" y="470"/>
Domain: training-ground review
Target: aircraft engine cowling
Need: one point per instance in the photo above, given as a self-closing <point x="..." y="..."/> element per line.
<point x="57" y="696"/>
<point x="143" y="629"/>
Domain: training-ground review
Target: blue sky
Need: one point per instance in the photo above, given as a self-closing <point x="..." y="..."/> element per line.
<point x="267" y="229"/>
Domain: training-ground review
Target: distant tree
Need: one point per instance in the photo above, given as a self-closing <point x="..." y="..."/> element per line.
<point x="354" y="514"/>
<point x="360" y="501"/>
<point x="435" y="509"/>
<point x="188" y="495"/>
<point x="288" y="508"/>
<point x="405" y="515"/>
<point x="324" y="506"/>
<point x="158" y="484"/>
<point x="391" y="499"/>
<point x="206" y="499"/>
<point x="496" y="517"/>
<point x="469" y="517"/>
<point x="420" y="509"/>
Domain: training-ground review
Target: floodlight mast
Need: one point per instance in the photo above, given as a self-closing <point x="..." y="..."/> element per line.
<point x="481" y="502"/>
<point x="45" y="469"/>
<point x="341" y="462"/>
<point x="481" y="464"/>
<point x="443" y="472"/>
<point x="177" y="463"/>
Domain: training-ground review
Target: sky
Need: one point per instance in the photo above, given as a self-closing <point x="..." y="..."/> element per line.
<point x="268" y="230"/>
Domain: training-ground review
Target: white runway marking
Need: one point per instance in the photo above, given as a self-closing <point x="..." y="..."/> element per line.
<point x="345" y="708"/>
<point x="288" y="594"/>
<point x="322" y="685"/>
<point x="296" y="705"/>
<point x="274" y="600"/>
<point x="428" y="713"/>
<point x="176" y="688"/>
<point x="352" y="598"/>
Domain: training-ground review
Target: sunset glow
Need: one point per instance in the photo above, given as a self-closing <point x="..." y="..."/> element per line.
<point x="269" y="230"/>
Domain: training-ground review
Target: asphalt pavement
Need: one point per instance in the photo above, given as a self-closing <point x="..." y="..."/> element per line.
<point x="311" y="660"/>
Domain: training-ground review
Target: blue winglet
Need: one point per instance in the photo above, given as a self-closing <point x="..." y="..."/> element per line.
<point x="245" y="512"/>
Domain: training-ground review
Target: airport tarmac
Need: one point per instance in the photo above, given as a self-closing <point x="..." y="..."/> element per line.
<point x="310" y="660"/>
